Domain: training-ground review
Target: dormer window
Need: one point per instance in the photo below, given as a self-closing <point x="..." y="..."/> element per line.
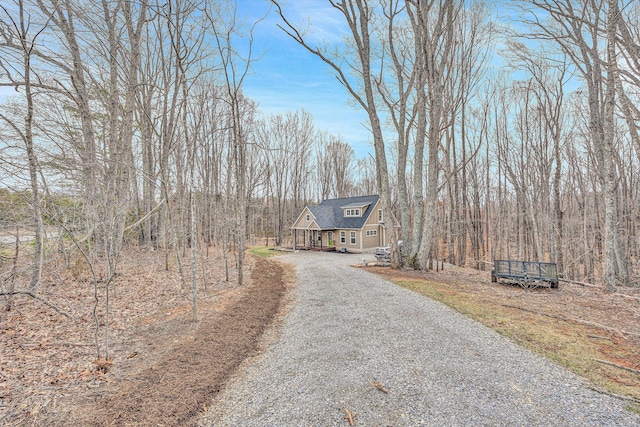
<point x="355" y="210"/>
<point x="352" y="212"/>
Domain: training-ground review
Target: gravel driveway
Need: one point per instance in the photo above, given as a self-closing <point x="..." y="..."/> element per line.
<point x="349" y="328"/>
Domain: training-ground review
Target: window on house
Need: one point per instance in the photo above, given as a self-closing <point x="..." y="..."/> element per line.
<point x="308" y="217"/>
<point x="372" y="233"/>
<point x="380" y="218"/>
<point x="353" y="237"/>
<point x="352" y="212"/>
<point x="343" y="237"/>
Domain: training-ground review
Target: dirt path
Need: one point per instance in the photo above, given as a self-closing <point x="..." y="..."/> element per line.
<point x="181" y="365"/>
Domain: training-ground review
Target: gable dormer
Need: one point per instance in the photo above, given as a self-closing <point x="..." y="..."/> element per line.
<point x="354" y="210"/>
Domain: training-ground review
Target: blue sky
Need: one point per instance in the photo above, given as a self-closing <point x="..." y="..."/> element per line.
<point x="289" y="78"/>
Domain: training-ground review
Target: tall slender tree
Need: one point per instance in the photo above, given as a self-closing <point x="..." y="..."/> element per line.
<point x="578" y="30"/>
<point x="358" y="15"/>
<point x="26" y="43"/>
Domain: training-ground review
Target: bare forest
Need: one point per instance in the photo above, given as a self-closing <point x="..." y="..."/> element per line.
<point x="497" y="133"/>
<point x="535" y="156"/>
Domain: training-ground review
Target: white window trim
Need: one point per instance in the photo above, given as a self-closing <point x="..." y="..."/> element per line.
<point x="308" y="217"/>
<point x="353" y="238"/>
<point x="380" y="215"/>
<point x="355" y="212"/>
<point x="371" y="233"/>
<point x="343" y="237"/>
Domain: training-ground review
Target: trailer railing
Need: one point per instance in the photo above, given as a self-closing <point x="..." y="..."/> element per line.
<point x="525" y="273"/>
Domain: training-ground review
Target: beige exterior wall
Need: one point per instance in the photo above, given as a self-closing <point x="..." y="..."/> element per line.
<point x="329" y="242"/>
<point x="347" y="244"/>
<point x="304" y="220"/>
<point x="373" y="224"/>
<point x="373" y="218"/>
<point x="357" y="245"/>
<point x="362" y="243"/>
<point x="373" y="239"/>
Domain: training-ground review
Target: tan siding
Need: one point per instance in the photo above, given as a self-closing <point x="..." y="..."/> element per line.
<point x="302" y="222"/>
<point x="362" y="242"/>
<point x="373" y="218"/>
<point x="369" y="242"/>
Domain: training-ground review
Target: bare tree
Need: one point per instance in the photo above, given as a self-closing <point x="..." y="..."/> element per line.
<point x="475" y="32"/>
<point x="434" y="30"/>
<point x="287" y="142"/>
<point x="63" y="17"/>
<point x="339" y="159"/>
<point x="235" y="68"/>
<point x="322" y="165"/>
<point x="395" y="84"/>
<point x="357" y="15"/>
<point x="624" y="26"/>
<point x="366" y="177"/>
<point x="578" y="30"/>
<point x="549" y="77"/>
<point x="19" y="29"/>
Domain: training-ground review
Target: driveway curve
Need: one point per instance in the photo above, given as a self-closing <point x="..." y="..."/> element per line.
<point x="350" y="330"/>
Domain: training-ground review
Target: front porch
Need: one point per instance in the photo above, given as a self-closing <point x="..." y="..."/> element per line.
<point x="312" y="239"/>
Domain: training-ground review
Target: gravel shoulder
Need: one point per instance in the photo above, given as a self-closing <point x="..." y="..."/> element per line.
<point x="349" y="329"/>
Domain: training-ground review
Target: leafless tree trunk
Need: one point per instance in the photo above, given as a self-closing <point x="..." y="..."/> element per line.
<point x="396" y="95"/>
<point x="322" y="166"/>
<point x="357" y="15"/>
<point x="194" y="262"/>
<point x="235" y="69"/>
<point x="62" y="15"/>
<point x="367" y="181"/>
<point x="628" y="42"/>
<point x="434" y="27"/>
<point x="339" y="160"/>
<point x="20" y="29"/>
<point x="577" y="32"/>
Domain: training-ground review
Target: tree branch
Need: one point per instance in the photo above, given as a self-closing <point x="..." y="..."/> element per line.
<point x="42" y="300"/>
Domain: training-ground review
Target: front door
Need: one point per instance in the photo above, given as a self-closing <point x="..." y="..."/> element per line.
<point x="330" y="238"/>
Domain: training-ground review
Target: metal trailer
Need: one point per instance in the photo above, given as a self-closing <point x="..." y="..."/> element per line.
<point x="527" y="274"/>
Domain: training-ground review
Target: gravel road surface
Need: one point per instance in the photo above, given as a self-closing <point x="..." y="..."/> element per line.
<point x="348" y="329"/>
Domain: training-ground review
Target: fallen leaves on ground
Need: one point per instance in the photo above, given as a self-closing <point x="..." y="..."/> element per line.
<point x="163" y="368"/>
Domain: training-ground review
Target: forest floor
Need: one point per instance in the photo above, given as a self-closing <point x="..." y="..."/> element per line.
<point x="165" y="368"/>
<point x="168" y="370"/>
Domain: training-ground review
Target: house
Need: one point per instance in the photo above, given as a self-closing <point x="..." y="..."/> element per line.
<point x="354" y="224"/>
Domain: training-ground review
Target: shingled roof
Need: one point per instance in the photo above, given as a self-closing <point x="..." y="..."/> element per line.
<point x="329" y="214"/>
